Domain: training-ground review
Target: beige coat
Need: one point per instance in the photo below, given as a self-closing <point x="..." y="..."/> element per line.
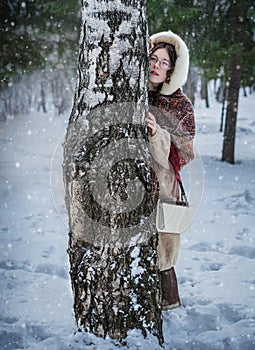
<point x="175" y="125"/>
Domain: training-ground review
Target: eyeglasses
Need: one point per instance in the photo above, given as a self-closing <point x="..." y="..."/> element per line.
<point x="164" y="64"/>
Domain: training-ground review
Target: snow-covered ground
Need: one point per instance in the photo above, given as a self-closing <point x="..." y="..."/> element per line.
<point x="216" y="267"/>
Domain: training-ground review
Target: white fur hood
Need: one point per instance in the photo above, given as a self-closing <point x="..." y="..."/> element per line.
<point x="180" y="73"/>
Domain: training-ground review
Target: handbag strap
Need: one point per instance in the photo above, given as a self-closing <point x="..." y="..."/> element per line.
<point x="175" y="161"/>
<point x="183" y="193"/>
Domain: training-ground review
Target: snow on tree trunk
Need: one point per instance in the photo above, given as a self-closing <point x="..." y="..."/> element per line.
<point x="112" y="239"/>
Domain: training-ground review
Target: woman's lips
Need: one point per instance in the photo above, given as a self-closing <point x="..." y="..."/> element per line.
<point x="153" y="72"/>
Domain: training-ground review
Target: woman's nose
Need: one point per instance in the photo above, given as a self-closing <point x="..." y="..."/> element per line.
<point x="156" y="64"/>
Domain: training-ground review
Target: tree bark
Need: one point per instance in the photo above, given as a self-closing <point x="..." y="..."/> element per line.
<point x="112" y="240"/>
<point x="236" y="12"/>
<point x="204" y="91"/>
<point x="228" y="153"/>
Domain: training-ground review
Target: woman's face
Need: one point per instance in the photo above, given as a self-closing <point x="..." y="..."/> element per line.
<point x="159" y="65"/>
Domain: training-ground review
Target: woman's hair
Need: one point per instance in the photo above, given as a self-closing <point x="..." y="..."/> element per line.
<point x="172" y="55"/>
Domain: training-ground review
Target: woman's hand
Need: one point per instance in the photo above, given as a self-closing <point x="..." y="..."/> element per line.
<point x="151" y="121"/>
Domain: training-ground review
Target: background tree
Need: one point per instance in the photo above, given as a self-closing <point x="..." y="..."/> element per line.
<point x="238" y="30"/>
<point x="226" y="34"/>
<point x="36" y="34"/>
<point x="39" y="53"/>
<point x="114" y="272"/>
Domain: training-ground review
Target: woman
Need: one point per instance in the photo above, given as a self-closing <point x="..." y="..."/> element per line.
<point x="172" y="129"/>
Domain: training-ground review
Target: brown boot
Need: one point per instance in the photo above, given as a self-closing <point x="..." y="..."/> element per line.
<point x="169" y="290"/>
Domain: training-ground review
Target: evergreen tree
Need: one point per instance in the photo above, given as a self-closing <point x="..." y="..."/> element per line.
<point x="20" y="50"/>
<point x="224" y="48"/>
<point x="35" y="34"/>
<point x="239" y="31"/>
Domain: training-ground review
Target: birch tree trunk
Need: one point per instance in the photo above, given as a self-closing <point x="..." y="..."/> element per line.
<point x="109" y="179"/>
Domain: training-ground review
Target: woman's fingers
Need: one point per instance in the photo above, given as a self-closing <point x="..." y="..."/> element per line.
<point x="151" y="121"/>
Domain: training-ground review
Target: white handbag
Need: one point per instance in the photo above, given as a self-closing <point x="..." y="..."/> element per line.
<point x="172" y="217"/>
